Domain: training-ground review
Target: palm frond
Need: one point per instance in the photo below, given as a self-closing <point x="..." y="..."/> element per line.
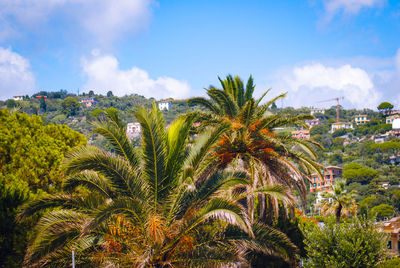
<point x="249" y="89"/>
<point x="262" y="109"/>
<point x="177" y="137"/>
<point x="247" y="112"/>
<point x="117" y="170"/>
<point x="205" y="103"/>
<point x="225" y="101"/>
<point x="90" y="180"/>
<point x="118" y="140"/>
<point x="203" y="145"/>
<point x="154" y="150"/>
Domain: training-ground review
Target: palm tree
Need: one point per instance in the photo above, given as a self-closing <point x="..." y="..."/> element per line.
<point x="252" y="141"/>
<point x="339" y="202"/>
<point x="155" y="206"/>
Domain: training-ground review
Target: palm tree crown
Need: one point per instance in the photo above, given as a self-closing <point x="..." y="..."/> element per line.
<point x="271" y="157"/>
<point x="151" y="207"/>
<point x="339" y="202"/>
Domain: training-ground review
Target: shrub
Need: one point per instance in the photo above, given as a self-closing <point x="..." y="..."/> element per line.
<point x="390" y="263"/>
<point x="354" y="244"/>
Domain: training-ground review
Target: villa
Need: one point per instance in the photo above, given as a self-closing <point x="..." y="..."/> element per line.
<point x="392" y="227"/>
<point x="301" y="134"/>
<point x="18" y="98"/>
<point x="133" y="130"/>
<point x="317" y="110"/>
<point x="389" y="119"/>
<point x="164" y="105"/>
<point x="361" y="119"/>
<point x="324" y="183"/>
<point x="312" y="122"/>
<point x="341" y="125"/>
<point x="380" y="138"/>
<point x="89" y="101"/>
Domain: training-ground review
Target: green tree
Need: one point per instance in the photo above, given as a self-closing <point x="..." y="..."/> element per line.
<point x="70" y="106"/>
<point x="357" y="244"/>
<point x="390" y="263"/>
<point x="319" y="130"/>
<point x="355" y="172"/>
<point x="339" y="202"/>
<point x="91" y="93"/>
<point x="396" y="199"/>
<point x="32" y="152"/>
<point x="385" y="107"/>
<point x="11" y="103"/>
<point x="382" y="211"/>
<point x="367" y="203"/>
<point x="156" y="207"/>
<point x="110" y="94"/>
<point x="43" y="104"/>
<point x="12" y="236"/>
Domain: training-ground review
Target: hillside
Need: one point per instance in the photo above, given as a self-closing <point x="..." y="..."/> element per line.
<point x="367" y="164"/>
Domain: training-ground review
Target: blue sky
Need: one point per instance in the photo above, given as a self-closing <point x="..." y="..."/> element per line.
<point x="314" y="50"/>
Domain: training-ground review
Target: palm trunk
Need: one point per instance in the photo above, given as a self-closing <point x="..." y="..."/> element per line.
<point x="338" y="214"/>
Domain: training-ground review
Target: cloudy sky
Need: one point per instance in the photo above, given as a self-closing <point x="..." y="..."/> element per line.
<point x="314" y="49"/>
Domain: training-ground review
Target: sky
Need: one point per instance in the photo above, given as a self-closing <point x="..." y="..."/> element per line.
<point x="315" y="50"/>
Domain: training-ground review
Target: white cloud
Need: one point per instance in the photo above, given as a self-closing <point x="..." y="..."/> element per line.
<point x="16" y="77"/>
<point x="332" y="7"/>
<point x="104" y="74"/>
<point x="108" y="19"/>
<point x="104" y="19"/>
<point x="314" y="82"/>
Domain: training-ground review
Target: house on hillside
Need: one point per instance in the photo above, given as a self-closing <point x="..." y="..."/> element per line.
<point x="396" y="127"/>
<point x="92" y="101"/>
<point x="18" y="97"/>
<point x="312" y="122"/>
<point x="389" y="119"/>
<point x="317" y="110"/>
<point x="392" y="227"/>
<point x="164" y="105"/>
<point x="361" y="119"/>
<point x="133" y="130"/>
<point x="380" y="138"/>
<point x="303" y="134"/>
<point x="341" y="125"/>
<point x="324" y="183"/>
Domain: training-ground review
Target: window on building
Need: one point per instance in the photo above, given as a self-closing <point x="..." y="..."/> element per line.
<point x="389" y="245"/>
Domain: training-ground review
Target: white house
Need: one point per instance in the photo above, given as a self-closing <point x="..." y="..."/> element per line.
<point x="389" y="119"/>
<point x="164" y="105"/>
<point x="396" y="127"/>
<point x="317" y="110"/>
<point x="361" y="119"/>
<point x="133" y="130"/>
<point x="18" y="98"/>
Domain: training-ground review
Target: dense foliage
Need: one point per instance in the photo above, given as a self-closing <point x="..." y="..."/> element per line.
<point x="356" y="244"/>
<point x="32" y="152"/>
<point x="250" y="176"/>
<point x="154" y="206"/>
<point x="13" y="237"/>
